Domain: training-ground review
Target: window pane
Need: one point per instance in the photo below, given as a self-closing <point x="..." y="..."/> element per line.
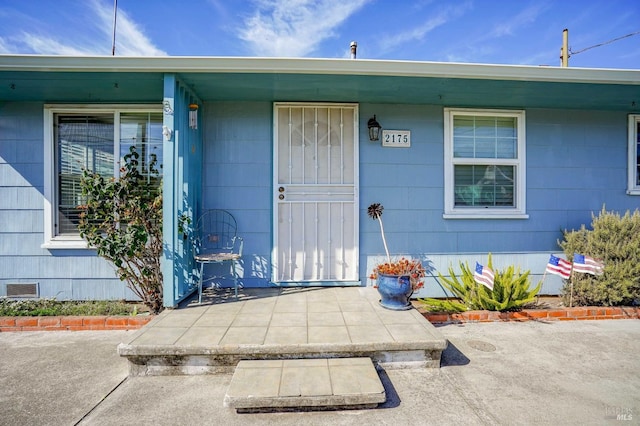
<point x="463" y="147"/>
<point x="463" y="137"/>
<point x="484" y="137"/>
<point x="144" y="132"/>
<point x="484" y="185"/>
<point x="485" y="148"/>
<point x="485" y="127"/>
<point x="506" y="127"/>
<point x="82" y="142"/>
<point x="463" y="126"/>
<point x="506" y="148"/>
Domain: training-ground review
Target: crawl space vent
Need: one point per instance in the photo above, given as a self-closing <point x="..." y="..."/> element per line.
<point x="22" y="290"/>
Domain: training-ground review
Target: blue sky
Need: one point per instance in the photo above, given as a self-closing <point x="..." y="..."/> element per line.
<point x="519" y="32"/>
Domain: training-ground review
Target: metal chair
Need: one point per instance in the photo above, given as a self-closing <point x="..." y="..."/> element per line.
<point x="216" y="242"/>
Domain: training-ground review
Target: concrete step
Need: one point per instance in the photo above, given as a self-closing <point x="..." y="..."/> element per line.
<point x="304" y="384"/>
<point x="281" y="325"/>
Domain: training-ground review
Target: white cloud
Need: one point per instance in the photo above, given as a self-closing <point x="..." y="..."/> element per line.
<point x="95" y="38"/>
<point x="295" y="28"/>
<point x="418" y="33"/>
<point x="526" y="16"/>
<point x="130" y="40"/>
<point x="48" y="46"/>
<point x="4" y="46"/>
<point x="488" y="43"/>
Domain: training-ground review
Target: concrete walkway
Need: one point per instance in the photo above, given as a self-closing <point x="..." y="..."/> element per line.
<point x="578" y="372"/>
<point x="288" y="323"/>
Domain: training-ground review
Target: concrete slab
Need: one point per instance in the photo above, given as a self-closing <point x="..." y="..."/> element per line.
<point x="56" y="378"/>
<point x="283" y="324"/>
<point x="577" y="372"/>
<point x="305" y="384"/>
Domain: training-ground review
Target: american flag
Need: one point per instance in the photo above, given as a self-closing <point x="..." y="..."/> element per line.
<point x="587" y="265"/>
<point x="559" y="267"/>
<point x="484" y="276"/>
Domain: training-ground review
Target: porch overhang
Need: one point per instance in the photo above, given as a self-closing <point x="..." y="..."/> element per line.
<point x="129" y="79"/>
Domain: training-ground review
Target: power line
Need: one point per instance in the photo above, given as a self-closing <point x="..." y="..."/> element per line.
<point x="602" y="44"/>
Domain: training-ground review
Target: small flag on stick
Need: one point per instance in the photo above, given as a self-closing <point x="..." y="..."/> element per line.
<point x="587" y="265"/>
<point x="484" y="276"/>
<point x="559" y="267"/>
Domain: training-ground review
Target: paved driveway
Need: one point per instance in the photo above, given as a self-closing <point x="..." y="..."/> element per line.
<point x="579" y="372"/>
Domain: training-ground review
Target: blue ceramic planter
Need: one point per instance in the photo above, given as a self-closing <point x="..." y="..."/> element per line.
<point x="395" y="291"/>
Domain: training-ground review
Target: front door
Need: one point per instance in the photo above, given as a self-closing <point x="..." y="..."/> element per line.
<point x="315" y="194"/>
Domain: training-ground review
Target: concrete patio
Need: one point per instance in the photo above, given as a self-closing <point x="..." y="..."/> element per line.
<point x="282" y="323"/>
<point x="509" y="373"/>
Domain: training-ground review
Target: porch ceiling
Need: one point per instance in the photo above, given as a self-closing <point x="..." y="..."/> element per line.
<point x="56" y="87"/>
<point x="136" y="80"/>
<point x="413" y="90"/>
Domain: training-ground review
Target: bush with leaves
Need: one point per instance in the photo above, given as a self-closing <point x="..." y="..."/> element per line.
<point x="615" y="240"/>
<point x="53" y="307"/>
<point x="511" y="291"/>
<point x="122" y="220"/>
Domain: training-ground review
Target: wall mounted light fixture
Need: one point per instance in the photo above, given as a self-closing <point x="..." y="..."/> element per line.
<point x="193" y="116"/>
<point x="374" y="129"/>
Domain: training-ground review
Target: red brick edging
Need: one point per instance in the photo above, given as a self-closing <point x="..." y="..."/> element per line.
<point x="72" y="323"/>
<point x="564" y="314"/>
<point x="79" y="323"/>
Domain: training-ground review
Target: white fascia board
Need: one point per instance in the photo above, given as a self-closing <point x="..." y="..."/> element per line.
<point x="180" y="64"/>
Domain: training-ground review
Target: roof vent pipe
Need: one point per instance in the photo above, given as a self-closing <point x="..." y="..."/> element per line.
<point x="354" y="47"/>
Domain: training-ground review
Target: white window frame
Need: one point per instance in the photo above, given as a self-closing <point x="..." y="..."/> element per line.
<point x="633" y="188"/>
<point x="519" y="211"/>
<point x="51" y="240"/>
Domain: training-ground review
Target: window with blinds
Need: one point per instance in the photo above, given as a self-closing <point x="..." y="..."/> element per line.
<point x="93" y="141"/>
<point x="484" y="162"/>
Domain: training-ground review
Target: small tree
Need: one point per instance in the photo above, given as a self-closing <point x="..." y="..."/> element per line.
<point x="122" y="220"/>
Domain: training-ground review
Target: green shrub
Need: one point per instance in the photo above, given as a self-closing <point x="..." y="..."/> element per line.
<point x="52" y="307"/>
<point x="615" y="240"/>
<point x="122" y="220"/>
<point x="511" y="291"/>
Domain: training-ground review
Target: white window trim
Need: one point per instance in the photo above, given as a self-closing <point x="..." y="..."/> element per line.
<point x="51" y="240"/>
<point x="632" y="187"/>
<point x="517" y="212"/>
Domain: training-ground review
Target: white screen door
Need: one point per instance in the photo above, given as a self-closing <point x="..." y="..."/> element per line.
<point x="315" y="194"/>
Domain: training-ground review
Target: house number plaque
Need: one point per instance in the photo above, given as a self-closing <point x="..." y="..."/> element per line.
<point x="396" y="138"/>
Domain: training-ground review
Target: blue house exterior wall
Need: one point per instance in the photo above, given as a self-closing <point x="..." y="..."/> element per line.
<point x="63" y="274"/>
<point x="576" y="163"/>
<point x="237" y="177"/>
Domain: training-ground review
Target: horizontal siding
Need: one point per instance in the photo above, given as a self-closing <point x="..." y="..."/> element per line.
<point x="21" y="121"/>
<point x="51" y="267"/>
<point x="100" y="289"/>
<point x="237" y="177"/>
<point x="21" y="174"/>
<point x="21" y="221"/>
<point x="21" y="198"/>
<point x="63" y="274"/>
<point x="72" y="289"/>
<point x="437" y="264"/>
<point x="22" y="245"/>
<point x="576" y="162"/>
